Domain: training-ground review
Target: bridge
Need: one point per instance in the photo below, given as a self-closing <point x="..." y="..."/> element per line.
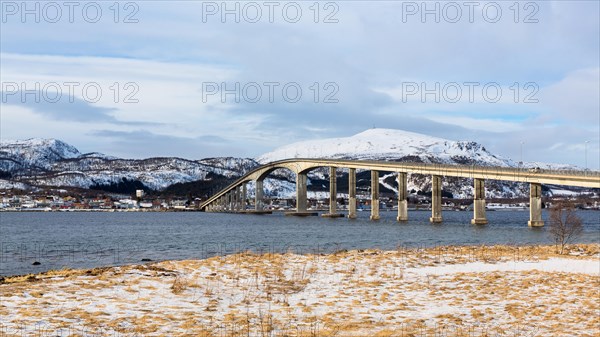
<point x="232" y="198"/>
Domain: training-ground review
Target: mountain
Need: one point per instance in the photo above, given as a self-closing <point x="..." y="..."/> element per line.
<point x="53" y="163"/>
<point x="390" y="145"/>
<point x="403" y="146"/>
<point x="43" y="163"/>
<point x="34" y="154"/>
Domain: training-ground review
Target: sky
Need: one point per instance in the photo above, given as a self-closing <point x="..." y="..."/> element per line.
<point x="196" y="79"/>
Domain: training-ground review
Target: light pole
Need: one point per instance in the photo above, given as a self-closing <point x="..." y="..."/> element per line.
<point x="586" y="146"/>
<point x="521" y="162"/>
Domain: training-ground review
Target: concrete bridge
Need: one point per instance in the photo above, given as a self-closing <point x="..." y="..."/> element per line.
<point x="233" y="197"/>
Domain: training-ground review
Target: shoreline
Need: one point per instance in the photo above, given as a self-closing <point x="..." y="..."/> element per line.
<point x="472" y="253"/>
<point x="345" y="293"/>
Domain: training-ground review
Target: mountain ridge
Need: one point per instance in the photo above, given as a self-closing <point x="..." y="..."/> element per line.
<point x="390" y="144"/>
<point x="40" y="162"/>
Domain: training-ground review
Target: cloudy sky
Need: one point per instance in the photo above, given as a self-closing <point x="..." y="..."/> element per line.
<point x="198" y="79"/>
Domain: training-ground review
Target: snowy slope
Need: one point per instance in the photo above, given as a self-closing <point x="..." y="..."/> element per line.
<point x="387" y="144"/>
<point x="34" y="153"/>
<point x="51" y="162"/>
<point x="155" y="173"/>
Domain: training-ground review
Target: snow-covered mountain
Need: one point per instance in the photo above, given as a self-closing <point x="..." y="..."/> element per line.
<point x="51" y="162"/>
<point x="393" y="145"/>
<point x="404" y="146"/>
<point x="34" y="154"/>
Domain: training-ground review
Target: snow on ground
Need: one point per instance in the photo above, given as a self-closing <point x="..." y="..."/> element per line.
<point x="7" y="185"/>
<point x="451" y="291"/>
<point x="553" y="265"/>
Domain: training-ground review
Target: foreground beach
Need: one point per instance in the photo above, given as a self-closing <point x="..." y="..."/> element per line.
<point x="442" y="291"/>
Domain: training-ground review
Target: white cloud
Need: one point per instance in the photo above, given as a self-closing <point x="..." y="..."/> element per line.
<point x="575" y="98"/>
<point x="489" y="125"/>
<point x="170" y="52"/>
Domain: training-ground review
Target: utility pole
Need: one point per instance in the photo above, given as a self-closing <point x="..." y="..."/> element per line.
<point x="521" y="162"/>
<point x="586" y="162"/>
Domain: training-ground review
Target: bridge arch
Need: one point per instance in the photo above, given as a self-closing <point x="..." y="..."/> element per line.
<point x="261" y="175"/>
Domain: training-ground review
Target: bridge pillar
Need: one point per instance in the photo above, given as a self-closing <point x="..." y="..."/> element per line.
<point x="402" y="203"/>
<point x="479" y="217"/>
<point x="222" y="204"/>
<point x="231" y="195"/>
<point x="258" y="196"/>
<point x="352" y="193"/>
<point x="332" y="190"/>
<point x="436" y="199"/>
<point x="237" y="206"/>
<point x="244" y="196"/>
<point x="374" y="195"/>
<point x="332" y="194"/>
<point x="234" y="197"/>
<point x="240" y="198"/>
<point x="301" y="192"/>
<point x="535" y="205"/>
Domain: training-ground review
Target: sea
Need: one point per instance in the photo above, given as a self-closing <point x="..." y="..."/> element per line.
<point x="33" y="242"/>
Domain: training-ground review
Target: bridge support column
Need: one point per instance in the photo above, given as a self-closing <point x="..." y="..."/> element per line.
<point x="535" y="205"/>
<point x="332" y="194"/>
<point x="231" y="196"/>
<point x="258" y="196"/>
<point x="301" y="193"/>
<point x="402" y="203"/>
<point x="234" y="199"/>
<point x="374" y="195"/>
<point x="222" y="204"/>
<point x="479" y="217"/>
<point x="436" y="199"/>
<point x="352" y="193"/>
<point x="237" y="201"/>
<point x="241" y="199"/>
<point x="244" y="196"/>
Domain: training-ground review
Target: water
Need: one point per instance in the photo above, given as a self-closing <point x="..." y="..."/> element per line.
<point x="85" y="240"/>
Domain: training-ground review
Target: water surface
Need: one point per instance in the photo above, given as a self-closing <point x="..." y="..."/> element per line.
<point x="84" y="240"/>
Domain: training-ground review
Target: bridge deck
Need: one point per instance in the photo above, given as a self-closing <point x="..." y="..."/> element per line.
<point x="589" y="179"/>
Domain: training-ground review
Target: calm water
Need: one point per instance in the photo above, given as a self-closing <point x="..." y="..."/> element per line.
<point x="83" y="240"/>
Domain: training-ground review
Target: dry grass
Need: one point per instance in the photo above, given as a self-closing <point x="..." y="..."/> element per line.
<point x="180" y="284"/>
<point x="350" y="293"/>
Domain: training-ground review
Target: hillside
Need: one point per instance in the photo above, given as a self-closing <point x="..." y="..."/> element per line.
<point x="51" y="162"/>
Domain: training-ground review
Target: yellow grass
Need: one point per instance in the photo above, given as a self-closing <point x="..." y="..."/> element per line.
<point x="369" y="292"/>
